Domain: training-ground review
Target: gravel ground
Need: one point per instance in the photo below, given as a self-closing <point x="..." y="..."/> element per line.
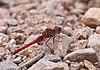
<point x="77" y="47"/>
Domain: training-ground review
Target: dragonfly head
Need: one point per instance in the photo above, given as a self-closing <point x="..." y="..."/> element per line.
<point x="57" y="29"/>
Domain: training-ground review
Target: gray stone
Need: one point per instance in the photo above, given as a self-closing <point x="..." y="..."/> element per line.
<point x="51" y="57"/>
<point x="61" y="47"/>
<point x="67" y="30"/>
<point x="8" y="65"/>
<point x="82" y="54"/>
<point x="94" y="42"/>
<point x="48" y="65"/>
<point x="10" y="21"/>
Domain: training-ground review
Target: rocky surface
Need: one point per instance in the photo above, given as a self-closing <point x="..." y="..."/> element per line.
<point x="77" y="47"/>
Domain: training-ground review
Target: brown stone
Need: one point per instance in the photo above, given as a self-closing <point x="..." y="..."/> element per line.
<point x="92" y="17"/>
<point x="89" y="65"/>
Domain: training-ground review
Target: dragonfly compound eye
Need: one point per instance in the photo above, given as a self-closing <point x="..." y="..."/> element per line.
<point x="57" y="29"/>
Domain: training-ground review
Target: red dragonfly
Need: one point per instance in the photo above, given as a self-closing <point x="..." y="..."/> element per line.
<point x="48" y="33"/>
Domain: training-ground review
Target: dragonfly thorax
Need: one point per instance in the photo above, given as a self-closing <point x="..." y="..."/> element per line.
<point x="51" y="32"/>
<point x="48" y="33"/>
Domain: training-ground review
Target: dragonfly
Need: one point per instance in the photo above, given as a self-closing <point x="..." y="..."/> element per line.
<point x="47" y="33"/>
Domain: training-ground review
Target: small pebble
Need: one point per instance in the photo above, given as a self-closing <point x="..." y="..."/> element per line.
<point x="98" y="30"/>
<point x="17" y="60"/>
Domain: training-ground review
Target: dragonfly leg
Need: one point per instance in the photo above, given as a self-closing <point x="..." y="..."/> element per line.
<point x="54" y="40"/>
<point x="48" y="46"/>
